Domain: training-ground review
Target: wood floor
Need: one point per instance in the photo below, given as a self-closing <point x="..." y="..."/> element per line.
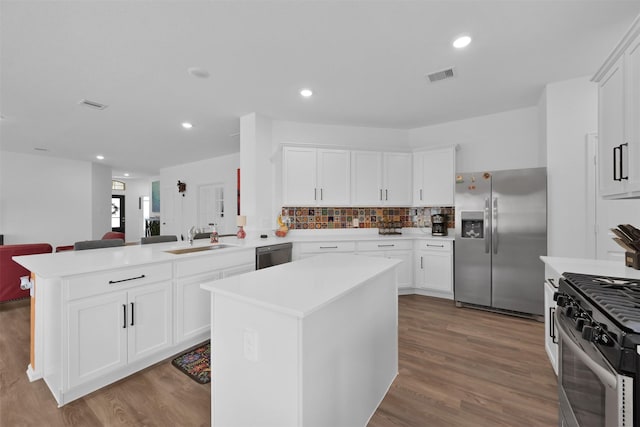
<point x="458" y="367"/>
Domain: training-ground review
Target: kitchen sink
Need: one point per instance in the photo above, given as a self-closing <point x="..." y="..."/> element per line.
<point x="198" y="249"/>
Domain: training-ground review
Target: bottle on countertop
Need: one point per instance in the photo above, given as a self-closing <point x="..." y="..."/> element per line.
<point x="214" y="234"/>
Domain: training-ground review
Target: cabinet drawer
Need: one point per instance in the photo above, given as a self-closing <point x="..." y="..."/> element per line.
<point x="318" y="247"/>
<point x="385" y="245"/>
<point x="214" y="261"/>
<point x="115" y="280"/>
<point x="434" y="245"/>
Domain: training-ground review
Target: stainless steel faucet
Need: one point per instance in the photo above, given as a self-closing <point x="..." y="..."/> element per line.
<point x="192" y="234"/>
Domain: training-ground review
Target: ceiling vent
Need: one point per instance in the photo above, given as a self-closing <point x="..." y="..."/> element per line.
<point x="436" y="76"/>
<point x="92" y="104"/>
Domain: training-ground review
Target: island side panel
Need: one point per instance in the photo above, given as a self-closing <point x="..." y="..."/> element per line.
<point x="350" y="354"/>
<point x="261" y="392"/>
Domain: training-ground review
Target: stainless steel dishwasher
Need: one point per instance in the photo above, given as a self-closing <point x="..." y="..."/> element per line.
<point x="268" y="256"/>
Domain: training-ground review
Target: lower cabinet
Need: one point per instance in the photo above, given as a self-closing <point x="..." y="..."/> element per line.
<point x="394" y="249"/>
<point x="307" y="249"/>
<point x="112" y="330"/>
<point x="550" y="339"/>
<point x="433" y="265"/>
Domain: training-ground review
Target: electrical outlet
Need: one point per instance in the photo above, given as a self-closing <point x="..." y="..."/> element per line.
<point x="250" y="345"/>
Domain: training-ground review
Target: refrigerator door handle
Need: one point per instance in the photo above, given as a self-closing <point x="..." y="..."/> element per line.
<point x="494" y="226"/>
<point x="487" y="243"/>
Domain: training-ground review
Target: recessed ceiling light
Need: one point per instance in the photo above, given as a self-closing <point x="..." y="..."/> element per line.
<point x="306" y="93"/>
<point x="126" y="174"/>
<point x="187" y="125"/>
<point x="200" y="73"/>
<point x="100" y="157"/>
<point x="462" y="41"/>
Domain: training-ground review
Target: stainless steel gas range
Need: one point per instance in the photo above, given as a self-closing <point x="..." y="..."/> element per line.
<point x="598" y="321"/>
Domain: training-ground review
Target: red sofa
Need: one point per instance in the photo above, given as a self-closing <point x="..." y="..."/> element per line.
<point x="10" y="271"/>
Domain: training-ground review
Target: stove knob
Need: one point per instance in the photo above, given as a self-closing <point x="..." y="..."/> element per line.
<point x="560" y="299"/>
<point x="579" y="324"/>
<point x="603" y="339"/>
<point x="569" y="311"/>
<point x="587" y="333"/>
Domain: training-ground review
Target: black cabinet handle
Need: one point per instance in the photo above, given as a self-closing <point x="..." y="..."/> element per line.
<point x="615" y="163"/>
<point x="328" y="247"/>
<point x="381" y="194"/>
<point x="386" y="194"/>
<point x="386" y="246"/>
<point x="622" y="176"/>
<point x="321" y="196"/>
<point x="131" y="314"/>
<point x="435" y="246"/>
<point x="124" y="314"/>
<point x="142" y="276"/>
<point x="552" y="325"/>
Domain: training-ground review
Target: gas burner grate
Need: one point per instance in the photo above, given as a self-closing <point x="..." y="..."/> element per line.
<point x="619" y="298"/>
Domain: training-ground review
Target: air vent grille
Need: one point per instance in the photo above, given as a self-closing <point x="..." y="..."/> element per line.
<point x="436" y="76"/>
<point x="92" y="104"/>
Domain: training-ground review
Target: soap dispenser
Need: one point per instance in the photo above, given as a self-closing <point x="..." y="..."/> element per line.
<point x="214" y="234"/>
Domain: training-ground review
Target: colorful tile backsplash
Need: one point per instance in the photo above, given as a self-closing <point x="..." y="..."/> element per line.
<point x="303" y="218"/>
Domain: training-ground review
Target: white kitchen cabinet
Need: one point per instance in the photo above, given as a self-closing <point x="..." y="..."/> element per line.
<point x="379" y="179"/>
<point x="308" y="249"/>
<point x="192" y="303"/>
<point x="116" y="326"/>
<point x="618" y="111"/>
<point x="550" y="339"/>
<point x="434" y="177"/>
<point x="315" y="177"/>
<point x="434" y="267"/>
<point x="393" y="249"/>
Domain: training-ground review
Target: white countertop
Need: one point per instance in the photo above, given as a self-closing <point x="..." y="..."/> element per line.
<point x="591" y="266"/>
<point x="301" y="287"/>
<point x="69" y="263"/>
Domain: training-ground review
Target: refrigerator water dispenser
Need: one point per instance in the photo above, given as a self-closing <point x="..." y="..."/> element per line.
<point x="472" y="225"/>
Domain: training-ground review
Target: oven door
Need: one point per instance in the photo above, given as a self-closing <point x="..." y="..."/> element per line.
<point x="591" y="392"/>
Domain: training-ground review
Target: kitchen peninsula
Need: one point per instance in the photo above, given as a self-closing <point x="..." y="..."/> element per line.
<point x="100" y="315"/>
<point x="313" y="342"/>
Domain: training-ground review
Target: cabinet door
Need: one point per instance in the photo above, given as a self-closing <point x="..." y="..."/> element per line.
<point x="404" y="270"/>
<point x="632" y="75"/>
<point x="299" y="185"/>
<point x="437" y="274"/>
<point x="334" y="177"/>
<point x="434" y="177"/>
<point x="193" y="307"/>
<point x="397" y="178"/>
<point x="149" y="320"/>
<point x="97" y="336"/>
<point x="366" y="178"/>
<point x="550" y="341"/>
<point x="611" y="129"/>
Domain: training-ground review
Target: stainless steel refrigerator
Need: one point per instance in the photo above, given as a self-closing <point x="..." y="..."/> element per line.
<point x="501" y="232"/>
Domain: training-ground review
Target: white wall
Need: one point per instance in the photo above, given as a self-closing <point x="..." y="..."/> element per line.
<point x="135" y="189"/>
<point x="46" y="199"/>
<point x="507" y="140"/>
<point x="100" y="200"/>
<point x="352" y="137"/>
<point x="571" y="113"/>
<point x="184" y="210"/>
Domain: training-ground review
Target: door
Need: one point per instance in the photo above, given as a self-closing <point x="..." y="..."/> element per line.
<point x="397" y="179"/>
<point x="97" y="337"/>
<point x="472" y="278"/>
<point x="149" y="320"/>
<point x="366" y="178"/>
<point x="299" y="177"/>
<point x="611" y="129"/>
<point x="519" y="238"/>
<point x="334" y="177"/>
<point x="117" y="213"/>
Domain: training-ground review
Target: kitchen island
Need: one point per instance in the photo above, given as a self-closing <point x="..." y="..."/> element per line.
<point x="313" y="342"/>
<point x="100" y="315"/>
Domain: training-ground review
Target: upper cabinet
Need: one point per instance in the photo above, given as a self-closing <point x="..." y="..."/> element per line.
<point x="619" y="118"/>
<point x="434" y="177"/>
<point x="315" y="177"/>
<point x="379" y="179"/>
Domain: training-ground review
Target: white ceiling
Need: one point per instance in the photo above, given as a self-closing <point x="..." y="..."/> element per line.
<point x="365" y="60"/>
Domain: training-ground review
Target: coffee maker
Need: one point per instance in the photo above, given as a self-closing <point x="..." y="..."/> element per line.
<point x="438" y="224"/>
